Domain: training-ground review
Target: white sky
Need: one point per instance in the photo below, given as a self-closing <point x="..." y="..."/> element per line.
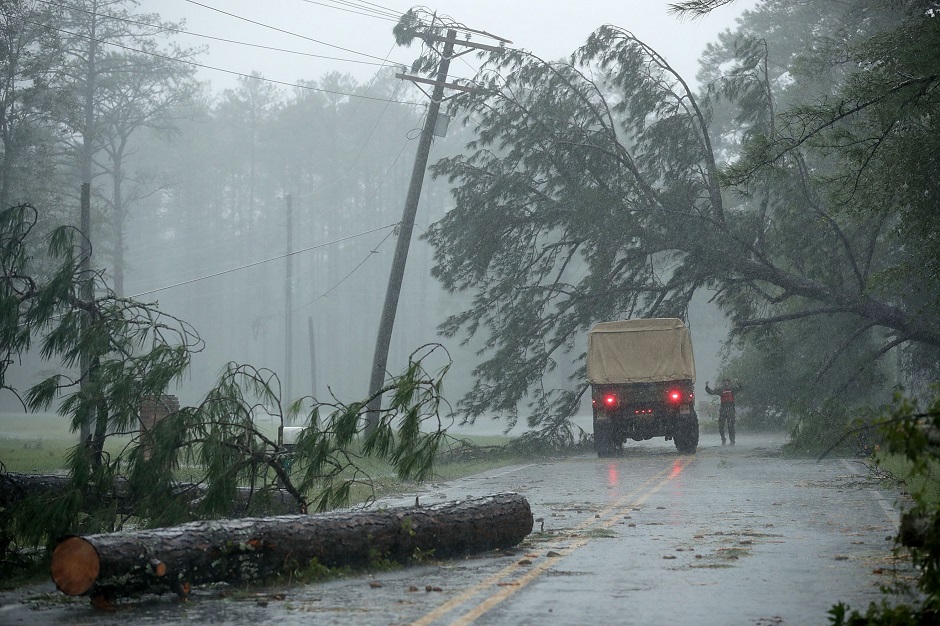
<point x="551" y="29"/>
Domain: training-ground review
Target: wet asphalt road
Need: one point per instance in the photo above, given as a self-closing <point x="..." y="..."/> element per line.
<point x="727" y="536"/>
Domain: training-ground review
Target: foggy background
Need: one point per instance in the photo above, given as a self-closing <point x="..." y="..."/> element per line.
<point x="280" y="189"/>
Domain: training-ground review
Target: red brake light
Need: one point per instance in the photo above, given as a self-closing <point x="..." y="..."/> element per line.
<point x="610" y="400"/>
<point x="674" y="396"/>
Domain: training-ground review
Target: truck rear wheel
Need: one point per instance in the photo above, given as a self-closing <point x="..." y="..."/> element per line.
<point x="686" y="437"/>
<point x="603" y="441"/>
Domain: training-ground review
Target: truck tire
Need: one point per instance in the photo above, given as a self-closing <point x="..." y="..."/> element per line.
<point x="686" y="437"/>
<point x="603" y="443"/>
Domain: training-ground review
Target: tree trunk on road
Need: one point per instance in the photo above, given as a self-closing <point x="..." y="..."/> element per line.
<point x="236" y="551"/>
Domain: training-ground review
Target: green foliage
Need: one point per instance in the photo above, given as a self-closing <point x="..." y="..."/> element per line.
<point x="860" y="86"/>
<point x="315" y="572"/>
<point x="422" y="556"/>
<point x="913" y="434"/>
<point x="556" y="220"/>
<point x="380" y="561"/>
<point x="882" y="614"/>
<point x="925" y="483"/>
<point x="832" y="428"/>
<point x="231" y="464"/>
<point x="408" y="433"/>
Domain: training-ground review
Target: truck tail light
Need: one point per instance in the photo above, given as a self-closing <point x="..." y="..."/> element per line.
<point x="677" y="396"/>
<point x="607" y="401"/>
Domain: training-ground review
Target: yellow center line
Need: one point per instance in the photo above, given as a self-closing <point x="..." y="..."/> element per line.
<point x="605" y="518"/>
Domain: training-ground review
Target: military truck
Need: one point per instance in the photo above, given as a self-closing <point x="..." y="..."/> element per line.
<point x="642" y="376"/>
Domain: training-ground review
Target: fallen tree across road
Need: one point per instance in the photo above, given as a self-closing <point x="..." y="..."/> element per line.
<point x="107" y="566"/>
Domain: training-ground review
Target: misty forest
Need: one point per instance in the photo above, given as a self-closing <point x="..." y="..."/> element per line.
<point x="232" y="248"/>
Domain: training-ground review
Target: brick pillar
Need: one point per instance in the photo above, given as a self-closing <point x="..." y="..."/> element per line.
<point x="152" y="410"/>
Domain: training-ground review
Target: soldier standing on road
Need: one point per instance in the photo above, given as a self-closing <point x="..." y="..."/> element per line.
<point x="726" y="411"/>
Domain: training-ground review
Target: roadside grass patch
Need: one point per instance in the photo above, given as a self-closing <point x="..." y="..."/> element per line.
<point x="39" y="444"/>
<point x="901" y="469"/>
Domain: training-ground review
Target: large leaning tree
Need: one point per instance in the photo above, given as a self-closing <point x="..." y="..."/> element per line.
<point x="600" y="188"/>
<point x="855" y="90"/>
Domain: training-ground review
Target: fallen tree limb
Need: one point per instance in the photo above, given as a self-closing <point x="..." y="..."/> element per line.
<point x="16" y="487"/>
<point x="106" y="566"/>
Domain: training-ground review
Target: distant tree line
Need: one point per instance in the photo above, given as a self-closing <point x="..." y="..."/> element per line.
<point x="188" y="184"/>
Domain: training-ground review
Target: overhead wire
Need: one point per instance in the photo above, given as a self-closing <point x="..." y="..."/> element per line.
<point x="219" y="69"/>
<point x="261" y="262"/>
<point x="162" y="28"/>
<point x="381" y="13"/>
<point x="347" y="276"/>
<point x="371" y="252"/>
<point x="280" y="30"/>
<point x="366" y="2"/>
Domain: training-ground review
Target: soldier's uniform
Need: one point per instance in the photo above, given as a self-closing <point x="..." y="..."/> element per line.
<point x="726" y="410"/>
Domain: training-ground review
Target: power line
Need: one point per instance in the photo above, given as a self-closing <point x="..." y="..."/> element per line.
<point x="366" y="2"/>
<point x="371" y="252"/>
<point x="346" y="277"/>
<point x="219" y="69"/>
<point x="169" y="29"/>
<point x="280" y="30"/>
<point x="380" y="13"/>
<point x="256" y="263"/>
<point x="362" y="148"/>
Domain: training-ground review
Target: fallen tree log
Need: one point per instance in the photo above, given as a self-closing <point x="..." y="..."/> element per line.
<point x="107" y="566"/>
<point x="15" y="487"/>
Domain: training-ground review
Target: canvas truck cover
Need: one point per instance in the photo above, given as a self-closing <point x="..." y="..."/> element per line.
<point x="640" y="350"/>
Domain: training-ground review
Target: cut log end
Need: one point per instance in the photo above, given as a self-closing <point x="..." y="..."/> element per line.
<point x="74" y="566"/>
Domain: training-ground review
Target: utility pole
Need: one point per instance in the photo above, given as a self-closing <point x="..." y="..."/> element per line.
<point x="313" y="358"/>
<point x="87" y="289"/>
<point x="406" y="228"/>
<point x="288" y="302"/>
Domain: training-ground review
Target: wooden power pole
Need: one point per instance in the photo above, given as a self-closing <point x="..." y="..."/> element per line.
<point x="406" y="227"/>
<point x="289" y="304"/>
<point x="87" y="289"/>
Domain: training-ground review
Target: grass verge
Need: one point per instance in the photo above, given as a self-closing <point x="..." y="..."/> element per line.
<point x="901" y="468"/>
